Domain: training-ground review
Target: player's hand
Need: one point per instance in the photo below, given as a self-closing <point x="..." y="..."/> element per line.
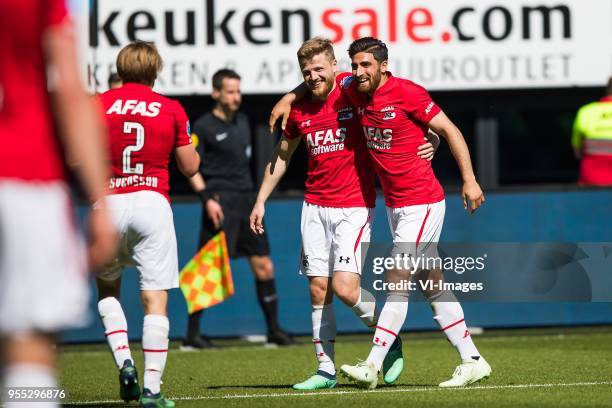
<point x="426" y="151"/>
<point x="472" y="195"/>
<point x="215" y="212"/>
<point x="103" y="239"/>
<point x="281" y="109"/>
<point x="256" y="218"/>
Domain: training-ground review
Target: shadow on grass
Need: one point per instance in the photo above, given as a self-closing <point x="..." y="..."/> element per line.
<point x="289" y="387"/>
<point x="404" y="385"/>
<point x="254" y="386"/>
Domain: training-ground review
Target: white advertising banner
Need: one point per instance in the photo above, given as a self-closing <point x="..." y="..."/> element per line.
<point x="441" y="44"/>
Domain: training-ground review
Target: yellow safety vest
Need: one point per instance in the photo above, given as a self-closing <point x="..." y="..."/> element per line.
<point x="592" y="132"/>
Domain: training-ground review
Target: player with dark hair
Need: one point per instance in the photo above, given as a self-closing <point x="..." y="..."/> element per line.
<point x="43" y="281"/>
<point x="226" y="189"/>
<point x="146" y="130"/>
<point x="395" y="113"/>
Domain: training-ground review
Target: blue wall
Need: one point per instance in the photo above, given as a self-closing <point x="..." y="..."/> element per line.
<point x="577" y="216"/>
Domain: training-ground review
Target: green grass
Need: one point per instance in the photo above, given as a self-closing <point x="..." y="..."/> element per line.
<point x="531" y="368"/>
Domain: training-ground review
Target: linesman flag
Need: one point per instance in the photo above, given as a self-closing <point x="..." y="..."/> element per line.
<point x="206" y="280"/>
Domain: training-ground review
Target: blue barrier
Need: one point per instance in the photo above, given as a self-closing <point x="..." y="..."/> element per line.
<point x="576" y="216"/>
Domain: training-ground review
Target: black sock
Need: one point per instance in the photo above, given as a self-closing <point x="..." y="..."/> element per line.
<point x="268" y="300"/>
<point x="193" y="324"/>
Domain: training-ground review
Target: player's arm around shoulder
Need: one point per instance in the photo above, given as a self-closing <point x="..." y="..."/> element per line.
<point x="282" y="108"/>
<point x="471" y="191"/>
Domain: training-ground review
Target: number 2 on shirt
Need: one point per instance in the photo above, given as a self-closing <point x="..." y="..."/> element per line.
<point x="138" y="168"/>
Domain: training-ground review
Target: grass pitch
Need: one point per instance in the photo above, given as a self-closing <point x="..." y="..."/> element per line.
<point x="561" y="367"/>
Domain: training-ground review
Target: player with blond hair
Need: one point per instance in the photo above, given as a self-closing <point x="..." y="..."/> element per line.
<point x="146" y="129"/>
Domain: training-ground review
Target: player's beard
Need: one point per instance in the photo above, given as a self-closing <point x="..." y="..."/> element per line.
<point x="370" y="85"/>
<point x="323" y="89"/>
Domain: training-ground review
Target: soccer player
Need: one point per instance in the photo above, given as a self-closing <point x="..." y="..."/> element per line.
<point x="338" y="205"/>
<point x="395" y="114"/>
<point x="146" y="129"/>
<point x="43" y="282"/>
<point x="225" y="187"/>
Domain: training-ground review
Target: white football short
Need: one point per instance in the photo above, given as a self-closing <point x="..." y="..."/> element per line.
<point x="43" y="276"/>
<point x="148" y="241"/>
<point x="332" y="238"/>
<point x="416" y="228"/>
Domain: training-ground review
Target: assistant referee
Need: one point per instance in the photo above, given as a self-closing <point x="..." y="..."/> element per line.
<point x="227" y="191"/>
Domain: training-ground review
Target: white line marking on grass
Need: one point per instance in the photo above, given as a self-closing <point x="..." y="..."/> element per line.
<point x="379" y="391"/>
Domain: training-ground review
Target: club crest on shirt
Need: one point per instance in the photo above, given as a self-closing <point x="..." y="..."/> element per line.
<point x="305" y="124"/>
<point x="346" y="81"/>
<point x="389" y="115"/>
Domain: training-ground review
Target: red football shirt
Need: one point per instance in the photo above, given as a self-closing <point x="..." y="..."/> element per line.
<point x="144" y="128"/>
<point x="29" y="148"/>
<point x="394" y="122"/>
<point x="340" y="173"/>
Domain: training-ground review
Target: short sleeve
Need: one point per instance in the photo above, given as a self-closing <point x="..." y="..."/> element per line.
<point x="56" y="12"/>
<point x="291" y="129"/>
<point x="419" y="104"/>
<point x="181" y="126"/>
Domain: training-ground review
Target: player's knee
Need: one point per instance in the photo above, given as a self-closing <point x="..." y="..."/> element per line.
<point x="431" y="279"/>
<point x="154" y="302"/>
<point x="29" y="348"/>
<point x="318" y="291"/>
<point x="347" y="292"/>
<point x="108" y="288"/>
